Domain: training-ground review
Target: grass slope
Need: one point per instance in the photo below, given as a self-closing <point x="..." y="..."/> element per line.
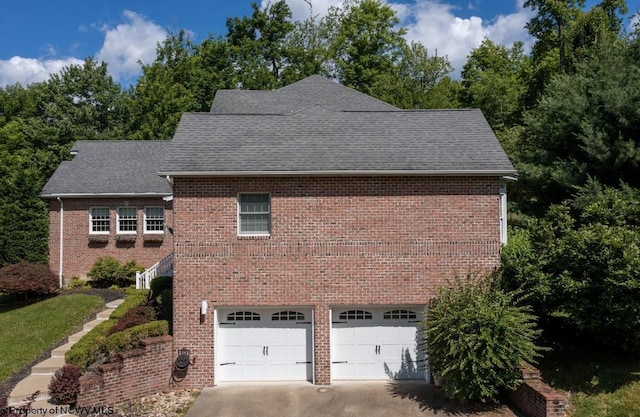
<point x="29" y="331"/>
<point x="602" y="383"/>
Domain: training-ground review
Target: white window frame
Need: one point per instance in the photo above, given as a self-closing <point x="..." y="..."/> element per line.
<point x="239" y="218"/>
<point x="91" y="221"/>
<point x="147" y="219"/>
<point x="119" y="219"/>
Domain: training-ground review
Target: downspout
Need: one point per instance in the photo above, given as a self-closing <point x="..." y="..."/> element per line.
<point x="61" y="254"/>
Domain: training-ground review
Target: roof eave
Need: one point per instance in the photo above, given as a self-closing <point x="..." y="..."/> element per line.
<point x="104" y="195"/>
<point x="338" y="173"/>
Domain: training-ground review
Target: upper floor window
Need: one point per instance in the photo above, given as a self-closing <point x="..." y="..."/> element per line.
<point x="99" y="220"/>
<point x="127" y="219"/>
<point x="254" y="214"/>
<point x="154" y="219"/>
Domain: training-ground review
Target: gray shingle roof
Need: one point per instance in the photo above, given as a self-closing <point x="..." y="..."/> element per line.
<point x="106" y="168"/>
<point x="317" y="140"/>
<point x="313" y="90"/>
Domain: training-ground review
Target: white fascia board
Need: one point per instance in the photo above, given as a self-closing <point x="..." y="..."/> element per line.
<point x="105" y="195"/>
<point x="488" y="173"/>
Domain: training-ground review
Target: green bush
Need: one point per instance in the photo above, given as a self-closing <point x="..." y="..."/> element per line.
<point x="134" y="298"/>
<point x="107" y="272"/>
<point x="477" y="339"/>
<point x="159" y="284"/>
<point x="165" y="305"/>
<point x="84" y="352"/>
<point x="130" y="338"/>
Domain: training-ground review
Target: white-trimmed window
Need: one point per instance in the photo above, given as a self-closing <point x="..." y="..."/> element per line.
<point x="254" y="214"/>
<point x="127" y="219"/>
<point x="99" y="220"/>
<point x="154" y="219"/>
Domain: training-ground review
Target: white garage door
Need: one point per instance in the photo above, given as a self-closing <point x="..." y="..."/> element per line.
<point x="377" y="343"/>
<point x="264" y="345"/>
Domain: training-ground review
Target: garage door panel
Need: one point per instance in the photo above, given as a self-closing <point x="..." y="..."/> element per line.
<point x="378" y="348"/>
<point x="263" y="349"/>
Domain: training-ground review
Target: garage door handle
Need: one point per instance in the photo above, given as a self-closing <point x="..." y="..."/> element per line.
<point x="303" y="322"/>
<point x="338" y="322"/>
<point x="341" y="362"/>
<point x="298" y="363"/>
<point x="227" y="363"/>
<point x="265" y="350"/>
<point x="231" y="322"/>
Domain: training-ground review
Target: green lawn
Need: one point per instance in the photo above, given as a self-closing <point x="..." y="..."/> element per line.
<point x="29" y="331"/>
<point x="601" y="383"/>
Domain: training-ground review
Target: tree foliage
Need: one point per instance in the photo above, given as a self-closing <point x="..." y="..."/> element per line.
<point x="581" y="262"/>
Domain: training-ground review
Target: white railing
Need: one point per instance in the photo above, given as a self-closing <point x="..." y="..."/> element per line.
<point x="164" y="267"/>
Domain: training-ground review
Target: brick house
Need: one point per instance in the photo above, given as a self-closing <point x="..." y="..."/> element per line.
<point x="311" y="225"/>
<point x="108" y="201"/>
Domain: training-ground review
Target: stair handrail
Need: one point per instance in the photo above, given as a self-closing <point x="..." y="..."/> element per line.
<point x="163" y="267"/>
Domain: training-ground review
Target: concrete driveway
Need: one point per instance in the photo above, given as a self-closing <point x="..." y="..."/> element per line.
<point x="370" y="399"/>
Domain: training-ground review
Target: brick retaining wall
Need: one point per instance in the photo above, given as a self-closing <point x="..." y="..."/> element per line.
<point x="536" y="398"/>
<point x="141" y="372"/>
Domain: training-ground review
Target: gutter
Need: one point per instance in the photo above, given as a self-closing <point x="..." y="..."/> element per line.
<point x="350" y="173"/>
<point x="61" y="255"/>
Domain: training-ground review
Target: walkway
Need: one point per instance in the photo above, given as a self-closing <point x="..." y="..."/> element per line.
<point x="42" y="372"/>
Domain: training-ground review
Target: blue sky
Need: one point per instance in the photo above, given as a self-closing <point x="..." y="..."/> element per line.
<point x="42" y="36"/>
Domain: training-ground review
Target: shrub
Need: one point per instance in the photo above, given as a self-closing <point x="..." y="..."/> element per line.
<point x="84" y="352"/>
<point x="28" y="279"/>
<point x="131" y="338"/>
<point x="134" y="317"/>
<point x="77" y="283"/>
<point x="159" y="284"/>
<point x="165" y="305"/>
<point x="107" y="272"/>
<point x="477" y="339"/>
<point x="65" y="385"/>
<point x="134" y="298"/>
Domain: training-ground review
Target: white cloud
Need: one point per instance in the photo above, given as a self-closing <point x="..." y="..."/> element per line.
<point x="125" y="45"/>
<point x="435" y="25"/>
<point x="129" y="43"/>
<point x="30" y="70"/>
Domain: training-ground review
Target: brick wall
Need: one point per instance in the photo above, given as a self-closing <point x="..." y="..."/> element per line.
<point x="80" y="252"/>
<point x="536" y="398"/>
<point x="141" y="372"/>
<point x="334" y="241"/>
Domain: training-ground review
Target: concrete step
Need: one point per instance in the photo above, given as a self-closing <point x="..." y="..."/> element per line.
<point x="115" y="303"/>
<point x="48" y="366"/>
<point x="104" y="314"/>
<point x="61" y="350"/>
<point x="29" y="386"/>
<point x="77" y="336"/>
<point x="90" y="325"/>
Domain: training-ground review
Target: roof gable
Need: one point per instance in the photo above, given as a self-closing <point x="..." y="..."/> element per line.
<point x="310" y="91"/>
<point x="110" y="168"/>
